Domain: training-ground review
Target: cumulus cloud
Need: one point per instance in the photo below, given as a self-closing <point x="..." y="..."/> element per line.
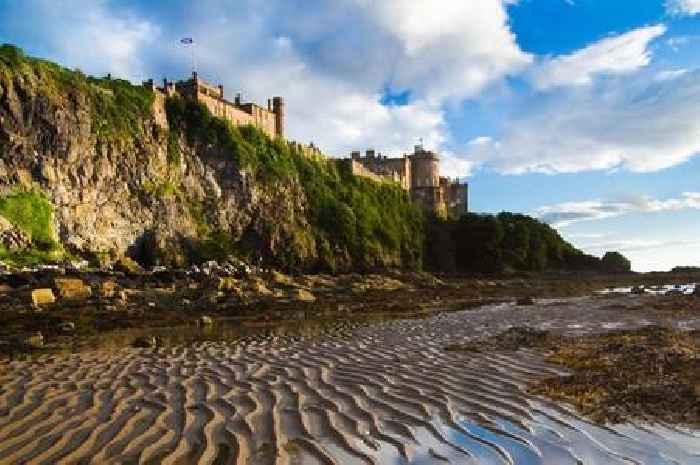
<point x="568" y="213"/>
<point x="621" y="54"/>
<point x="683" y="7"/>
<point x="637" y="123"/>
<point x="447" y="48"/>
<point x="87" y="35"/>
<point x="330" y="60"/>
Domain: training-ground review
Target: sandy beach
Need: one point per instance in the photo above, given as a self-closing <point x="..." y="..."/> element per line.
<point x="379" y="393"/>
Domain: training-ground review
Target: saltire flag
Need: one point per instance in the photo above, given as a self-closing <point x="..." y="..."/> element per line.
<point x="187" y="40"/>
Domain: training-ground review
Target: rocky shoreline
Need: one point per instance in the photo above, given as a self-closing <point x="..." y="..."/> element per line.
<point x="56" y="308"/>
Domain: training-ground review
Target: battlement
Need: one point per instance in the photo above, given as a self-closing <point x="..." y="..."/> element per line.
<point x="270" y="120"/>
<point x="419" y="174"/>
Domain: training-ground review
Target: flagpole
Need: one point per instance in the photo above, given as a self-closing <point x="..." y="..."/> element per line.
<point x="194" y="58"/>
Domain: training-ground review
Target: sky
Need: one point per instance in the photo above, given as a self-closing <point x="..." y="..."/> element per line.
<point x="582" y="113"/>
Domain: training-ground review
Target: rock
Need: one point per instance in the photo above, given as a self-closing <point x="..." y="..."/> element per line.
<point x="107" y="289"/>
<point x="42" y="297"/>
<point x="302" y="295"/>
<point x="228" y="283"/>
<point x="256" y="286"/>
<point x="205" y="320"/>
<point x="80" y="264"/>
<point x="67" y="327"/>
<point x="522" y="301"/>
<point x="11" y="237"/>
<point x="72" y="289"/>
<point x="145" y="342"/>
<point x="128" y="265"/>
<point x="34" y="340"/>
<point x="281" y="279"/>
<point x="638" y="290"/>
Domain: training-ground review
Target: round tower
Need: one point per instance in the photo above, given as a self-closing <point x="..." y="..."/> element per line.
<point x="425" y="171"/>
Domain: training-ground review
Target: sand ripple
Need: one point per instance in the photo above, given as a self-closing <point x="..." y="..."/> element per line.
<point x="385" y="395"/>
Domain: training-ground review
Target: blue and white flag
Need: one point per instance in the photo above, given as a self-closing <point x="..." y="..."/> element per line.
<point x="187" y="41"/>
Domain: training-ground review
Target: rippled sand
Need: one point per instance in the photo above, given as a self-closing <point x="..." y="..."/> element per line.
<point x="386" y="394"/>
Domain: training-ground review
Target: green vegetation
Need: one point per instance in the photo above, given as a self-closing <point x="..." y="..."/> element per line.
<point x="506" y="242"/>
<point x="32" y="213"/>
<point x="163" y="189"/>
<point x="354" y="222"/>
<point x="118" y="108"/>
<point x="615" y="262"/>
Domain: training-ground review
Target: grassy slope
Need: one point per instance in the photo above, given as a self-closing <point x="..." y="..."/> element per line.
<point x="369" y="222"/>
<point x="354" y="221"/>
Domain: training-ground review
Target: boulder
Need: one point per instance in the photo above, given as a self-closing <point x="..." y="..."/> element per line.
<point x="145" y="342"/>
<point x="302" y="295"/>
<point x="34" y="340"/>
<point x="256" y="286"/>
<point x="228" y="283"/>
<point x="42" y="297"/>
<point x="67" y="327"/>
<point x="107" y="289"/>
<point x="281" y="279"/>
<point x="72" y="289"/>
<point x="522" y="301"/>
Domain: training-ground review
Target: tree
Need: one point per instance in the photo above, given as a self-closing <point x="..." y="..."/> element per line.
<point x="615" y="262"/>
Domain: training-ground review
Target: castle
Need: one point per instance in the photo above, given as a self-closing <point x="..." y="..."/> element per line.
<point x="270" y="120"/>
<point x="419" y="174"/>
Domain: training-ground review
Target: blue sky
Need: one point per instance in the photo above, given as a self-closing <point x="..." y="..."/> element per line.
<point x="584" y="113"/>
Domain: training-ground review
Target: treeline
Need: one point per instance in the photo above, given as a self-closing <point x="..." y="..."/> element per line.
<point x="483" y="243"/>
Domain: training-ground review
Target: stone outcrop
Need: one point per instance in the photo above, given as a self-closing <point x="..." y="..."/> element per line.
<point x="125" y="194"/>
<point x="133" y="174"/>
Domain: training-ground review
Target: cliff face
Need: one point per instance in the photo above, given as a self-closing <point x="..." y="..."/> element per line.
<point x="125" y="176"/>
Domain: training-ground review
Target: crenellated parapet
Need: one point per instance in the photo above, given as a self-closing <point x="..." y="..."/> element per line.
<point x="419" y="174"/>
<point x="270" y="119"/>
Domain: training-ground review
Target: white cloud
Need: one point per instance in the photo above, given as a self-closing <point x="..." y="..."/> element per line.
<point x="568" y="213"/>
<point x="615" y="55"/>
<point x="442" y="51"/>
<point x="670" y="74"/>
<point x="683" y="7"/>
<point x="89" y="35"/>
<point x="445" y="49"/>
<point x="636" y="123"/>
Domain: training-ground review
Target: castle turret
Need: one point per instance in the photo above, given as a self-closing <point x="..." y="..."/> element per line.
<point x="278" y="110"/>
<point x="425" y="169"/>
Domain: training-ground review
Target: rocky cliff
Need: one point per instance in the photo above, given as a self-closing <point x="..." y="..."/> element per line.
<point x="99" y="168"/>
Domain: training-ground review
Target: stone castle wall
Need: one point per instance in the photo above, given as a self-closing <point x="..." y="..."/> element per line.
<point x="270" y="120"/>
<point x="419" y="174"/>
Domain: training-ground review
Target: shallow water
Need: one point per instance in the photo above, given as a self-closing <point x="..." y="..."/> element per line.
<point x="338" y="393"/>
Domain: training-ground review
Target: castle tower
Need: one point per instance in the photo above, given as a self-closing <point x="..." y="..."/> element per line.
<point x="425" y="169"/>
<point x="425" y="180"/>
<point x="278" y="110"/>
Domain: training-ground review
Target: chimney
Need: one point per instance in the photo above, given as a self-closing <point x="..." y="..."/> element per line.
<point x="221" y="91"/>
<point x="269" y="105"/>
<point x="194" y="76"/>
<point x="237" y="100"/>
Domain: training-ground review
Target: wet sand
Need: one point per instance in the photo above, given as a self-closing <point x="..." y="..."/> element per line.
<point x="384" y="393"/>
